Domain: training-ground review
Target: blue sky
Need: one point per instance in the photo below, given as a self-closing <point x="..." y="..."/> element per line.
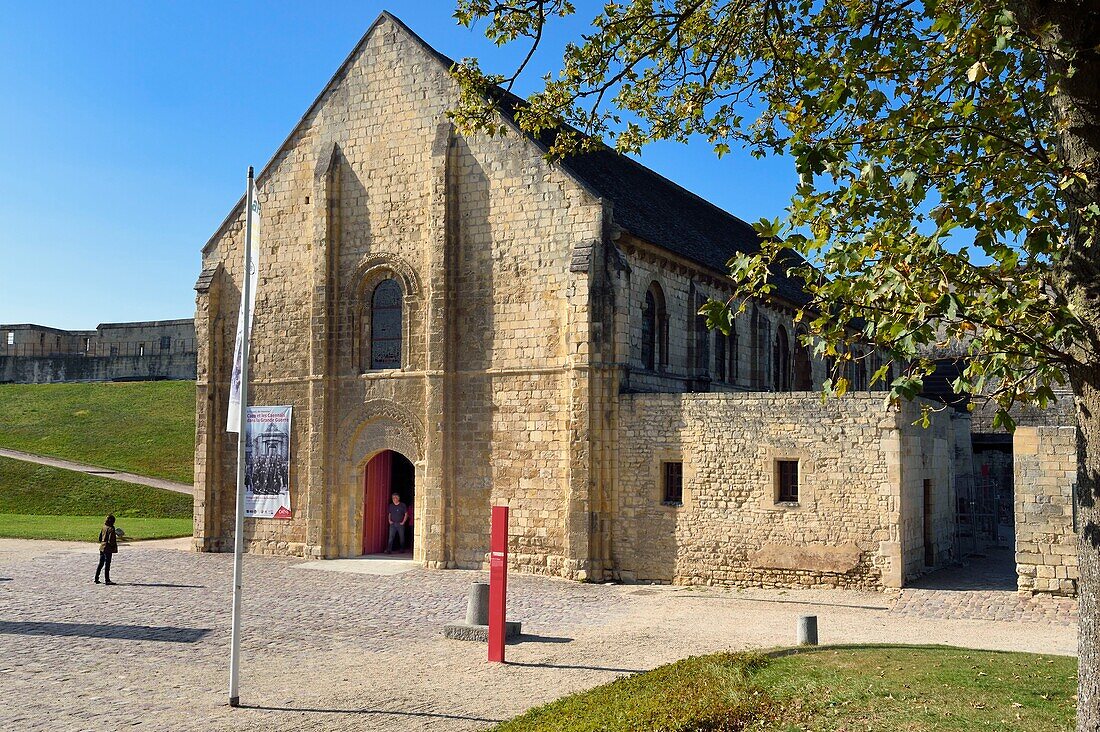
<point x="128" y="127"/>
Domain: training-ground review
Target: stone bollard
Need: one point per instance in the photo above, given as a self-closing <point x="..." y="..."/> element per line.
<point x="477" y="607"/>
<point x="807" y="630"/>
<point x="476" y="627"/>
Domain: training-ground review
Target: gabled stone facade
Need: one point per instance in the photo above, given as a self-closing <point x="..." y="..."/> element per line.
<point x="526" y="370"/>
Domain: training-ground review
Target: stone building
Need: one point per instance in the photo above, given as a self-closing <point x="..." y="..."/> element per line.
<point x="456" y="319"/>
<point x="141" y="350"/>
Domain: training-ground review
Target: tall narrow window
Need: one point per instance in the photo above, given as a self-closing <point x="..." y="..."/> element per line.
<point x="654" y="329"/>
<point x="673" y="493"/>
<point x="649" y="332"/>
<point x="786" y="473"/>
<point x="385" y="326"/>
<point x="735" y="355"/>
<point x="702" y="345"/>
<point x="781" y="361"/>
<point x="803" y="369"/>
<point x="857" y="371"/>
<point x="720" y="343"/>
<point x="761" y="352"/>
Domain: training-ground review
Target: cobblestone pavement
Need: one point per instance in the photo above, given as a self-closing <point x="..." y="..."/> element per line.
<point x="342" y="651"/>
<point x="984" y="589"/>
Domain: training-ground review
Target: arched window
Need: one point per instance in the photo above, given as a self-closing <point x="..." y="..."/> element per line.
<point x="720" y="358"/>
<point x="702" y="344"/>
<point x="781" y="361"/>
<point x="857" y="371"/>
<point x="734" y="355"/>
<point x="385" y="325"/>
<point x="761" y="353"/>
<point x="649" y="332"/>
<point x="654" y="329"/>
<point x="803" y="368"/>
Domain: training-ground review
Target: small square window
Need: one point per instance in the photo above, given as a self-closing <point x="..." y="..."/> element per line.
<point x="787" y="477"/>
<point x="673" y="484"/>
<point x="165" y="343"/>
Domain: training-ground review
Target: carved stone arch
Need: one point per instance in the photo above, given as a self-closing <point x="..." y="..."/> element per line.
<point x="408" y="439"/>
<point x="377" y="425"/>
<point x="376" y="266"/>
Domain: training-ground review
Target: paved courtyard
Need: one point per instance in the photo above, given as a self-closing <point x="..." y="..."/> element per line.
<point x="327" y="650"/>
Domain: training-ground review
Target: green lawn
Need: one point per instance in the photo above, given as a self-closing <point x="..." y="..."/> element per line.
<point x="40" y="502"/>
<point x="144" y="427"/>
<point x="865" y="688"/>
<point x="86" y="528"/>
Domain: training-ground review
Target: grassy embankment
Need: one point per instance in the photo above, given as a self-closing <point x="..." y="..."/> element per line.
<point x="865" y="688"/>
<point x="142" y="427"/>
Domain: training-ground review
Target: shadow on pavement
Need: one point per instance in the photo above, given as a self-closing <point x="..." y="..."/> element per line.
<point x="526" y="638"/>
<point x="995" y="570"/>
<point x="100" y="630"/>
<point x="160" y="584"/>
<point x="378" y="712"/>
<point x="576" y="667"/>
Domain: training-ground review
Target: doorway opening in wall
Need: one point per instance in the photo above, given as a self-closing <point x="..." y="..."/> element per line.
<point x="929" y="533"/>
<point x="386" y="474"/>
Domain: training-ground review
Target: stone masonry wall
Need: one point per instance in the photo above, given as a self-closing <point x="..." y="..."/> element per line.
<point x="490" y="401"/>
<point x="856" y="471"/>
<point x="685" y="287"/>
<point x="1045" y="476"/>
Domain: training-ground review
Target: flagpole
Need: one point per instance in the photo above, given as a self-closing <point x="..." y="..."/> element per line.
<point x="242" y="441"/>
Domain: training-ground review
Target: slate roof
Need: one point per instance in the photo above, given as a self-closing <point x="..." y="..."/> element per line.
<point x="653" y="208"/>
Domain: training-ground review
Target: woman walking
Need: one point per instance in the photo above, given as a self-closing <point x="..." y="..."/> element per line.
<point x="108" y="545"/>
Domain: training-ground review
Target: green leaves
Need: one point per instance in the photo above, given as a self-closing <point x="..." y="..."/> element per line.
<point x="931" y="203"/>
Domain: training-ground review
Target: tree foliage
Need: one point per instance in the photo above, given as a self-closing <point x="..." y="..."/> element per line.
<point x="936" y="207"/>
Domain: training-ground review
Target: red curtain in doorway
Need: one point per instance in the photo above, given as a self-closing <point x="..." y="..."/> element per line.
<point x="377" y="494"/>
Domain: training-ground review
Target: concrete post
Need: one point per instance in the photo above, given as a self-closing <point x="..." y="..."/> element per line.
<point x="807" y="630"/>
<point x="477" y="607"/>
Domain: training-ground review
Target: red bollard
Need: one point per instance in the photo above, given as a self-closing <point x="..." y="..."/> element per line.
<point x="498" y="582"/>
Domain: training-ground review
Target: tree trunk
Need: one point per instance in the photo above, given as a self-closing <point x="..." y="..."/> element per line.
<point x="1087" y="390"/>
<point x="1057" y="26"/>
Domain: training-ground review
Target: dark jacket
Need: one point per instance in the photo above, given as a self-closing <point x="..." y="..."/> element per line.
<point x="108" y="540"/>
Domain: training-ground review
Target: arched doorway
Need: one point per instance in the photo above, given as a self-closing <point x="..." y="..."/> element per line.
<point x="387" y="473"/>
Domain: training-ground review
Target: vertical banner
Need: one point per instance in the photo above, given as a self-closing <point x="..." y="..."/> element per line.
<point x="267" y="463"/>
<point x="498" y="582"/>
<point x="233" y="419"/>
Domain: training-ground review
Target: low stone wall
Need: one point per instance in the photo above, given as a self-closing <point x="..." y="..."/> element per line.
<point x="859" y="521"/>
<point x="1045" y="474"/>
<point x="79" y="367"/>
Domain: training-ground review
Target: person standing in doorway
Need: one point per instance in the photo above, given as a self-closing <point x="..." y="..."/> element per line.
<point x="108" y="545"/>
<point x="398" y="516"/>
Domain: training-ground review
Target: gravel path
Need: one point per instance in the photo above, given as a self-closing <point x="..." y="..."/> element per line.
<point x="53" y="462"/>
<point x="351" y="651"/>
